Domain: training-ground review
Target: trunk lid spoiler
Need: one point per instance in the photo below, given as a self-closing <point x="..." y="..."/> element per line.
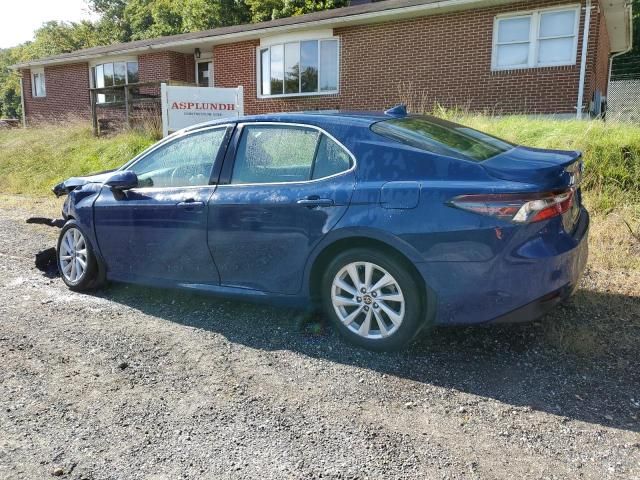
<point x="547" y="168"/>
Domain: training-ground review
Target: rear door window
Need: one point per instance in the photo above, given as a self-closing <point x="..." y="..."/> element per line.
<point x="442" y="137"/>
<point x="331" y="159"/>
<point x="286" y="153"/>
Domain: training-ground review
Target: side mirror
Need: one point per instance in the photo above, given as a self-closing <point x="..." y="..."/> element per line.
<point x="122" y="180"/>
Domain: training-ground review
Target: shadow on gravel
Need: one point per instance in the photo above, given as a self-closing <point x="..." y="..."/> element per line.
<point x="520" y="365"/>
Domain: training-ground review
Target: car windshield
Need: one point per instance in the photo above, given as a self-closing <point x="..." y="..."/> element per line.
<point x="442" y="137"/>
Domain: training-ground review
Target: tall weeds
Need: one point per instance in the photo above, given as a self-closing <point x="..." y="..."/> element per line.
<point x="34" y="159"/>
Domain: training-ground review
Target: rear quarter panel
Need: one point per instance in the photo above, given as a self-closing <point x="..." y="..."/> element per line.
<point x="479" y="266"/>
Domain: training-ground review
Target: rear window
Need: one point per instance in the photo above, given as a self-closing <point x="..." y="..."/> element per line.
<point x="442" y="137"/>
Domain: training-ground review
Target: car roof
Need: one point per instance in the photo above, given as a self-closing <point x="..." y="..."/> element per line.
<point x="332" y="117"/>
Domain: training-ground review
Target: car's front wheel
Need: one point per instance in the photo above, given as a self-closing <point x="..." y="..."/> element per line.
<point x="372" y="299"/>
<point x="76" y="261"/>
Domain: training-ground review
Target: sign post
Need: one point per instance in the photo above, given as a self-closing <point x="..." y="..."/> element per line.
<point x="186" y="106"/>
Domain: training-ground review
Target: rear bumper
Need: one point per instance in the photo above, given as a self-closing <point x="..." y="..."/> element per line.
<point x="537" y="308"/>
<point x="531" y="275"/>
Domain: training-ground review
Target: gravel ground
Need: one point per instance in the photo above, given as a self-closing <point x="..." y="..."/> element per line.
<point x="138" y="383"/>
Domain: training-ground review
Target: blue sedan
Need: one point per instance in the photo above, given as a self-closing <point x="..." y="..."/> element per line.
<point x="391" y="222"/>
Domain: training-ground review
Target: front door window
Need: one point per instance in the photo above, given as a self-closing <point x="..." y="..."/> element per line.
<point x="186" y="161"/>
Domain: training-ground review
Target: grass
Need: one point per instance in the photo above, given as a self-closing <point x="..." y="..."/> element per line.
<point x="33" y="160"/>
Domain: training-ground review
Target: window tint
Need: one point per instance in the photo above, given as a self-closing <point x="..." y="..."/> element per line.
<point x="268" y="154"/>
<point x="442" y="137"/>
<point x="330" y="159"/>
<point x="184" y="162"/>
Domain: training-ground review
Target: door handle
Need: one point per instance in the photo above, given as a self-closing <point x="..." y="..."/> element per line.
<point x="190" y="205"/>
<point x="313" y="202"/>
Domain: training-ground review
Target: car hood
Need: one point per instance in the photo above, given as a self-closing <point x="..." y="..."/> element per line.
<point x="63" y="188"/>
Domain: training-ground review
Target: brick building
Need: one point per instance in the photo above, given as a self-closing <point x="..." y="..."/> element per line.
<point x="539" y="56"/>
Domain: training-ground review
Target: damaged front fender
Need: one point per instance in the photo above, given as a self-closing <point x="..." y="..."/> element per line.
<point x="63" y="188"/>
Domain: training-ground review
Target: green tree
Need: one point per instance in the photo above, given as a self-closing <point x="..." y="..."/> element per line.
<point x="263" y="10"/>
<point x="138" y="19"/>
<point x="50" y="39"/>
<point x="153" y="18"/>
<point x="61" y="37"/>
<point x="205" y="14"/>
<point x="10" y="106"/>
<point x="112" y="26"/>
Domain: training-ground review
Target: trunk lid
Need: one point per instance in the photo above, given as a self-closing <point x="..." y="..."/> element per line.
<point x="546" y="168"/>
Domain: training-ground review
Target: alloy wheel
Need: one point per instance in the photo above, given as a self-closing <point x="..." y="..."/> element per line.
<point x="368" y="300"/>
<point x="73" y="255"/>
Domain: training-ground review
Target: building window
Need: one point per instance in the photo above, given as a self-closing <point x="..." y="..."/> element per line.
<point x="114" y="74"/>
<point x="542" y="38"/>
<point x="308" y="67"/>
<point x="204" y="70"/>
<point x="38" y="87"/>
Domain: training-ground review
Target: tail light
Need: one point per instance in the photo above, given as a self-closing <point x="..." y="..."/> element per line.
<point x="518" y="207"/>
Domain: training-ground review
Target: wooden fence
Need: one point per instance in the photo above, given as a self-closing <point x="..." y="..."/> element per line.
<point x="127" y="104"/>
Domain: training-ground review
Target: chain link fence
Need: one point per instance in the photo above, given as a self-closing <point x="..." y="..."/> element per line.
<point x="623" y="96"/>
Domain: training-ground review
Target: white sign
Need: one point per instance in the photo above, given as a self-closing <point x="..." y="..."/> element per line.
<point x="186" y="106"/>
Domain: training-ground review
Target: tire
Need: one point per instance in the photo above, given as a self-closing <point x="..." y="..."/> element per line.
<point x="391" y="301"/>
<point x="76" y="245"/>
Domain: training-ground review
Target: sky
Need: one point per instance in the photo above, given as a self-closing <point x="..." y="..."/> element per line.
<point x="21" y="17"/>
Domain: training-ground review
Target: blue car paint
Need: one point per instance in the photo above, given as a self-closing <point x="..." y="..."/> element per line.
<point x="261" y="237"/>
<point x="142" y="232"/>
<point x="256" y="242"/>
<point x="532" y="164"/>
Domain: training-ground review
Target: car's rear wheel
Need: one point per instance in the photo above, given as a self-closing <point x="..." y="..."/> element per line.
<point x="372" y="299"/>
<point x="76" y="261"/>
